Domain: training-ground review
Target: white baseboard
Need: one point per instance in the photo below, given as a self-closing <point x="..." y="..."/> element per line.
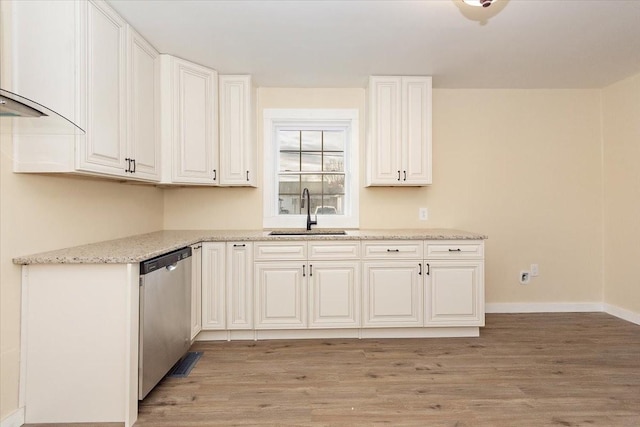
<point x="543" y="307"/>
<point x="622" y="313"/>
<point x="16" y="419"/>
<point x="561" y="307"/>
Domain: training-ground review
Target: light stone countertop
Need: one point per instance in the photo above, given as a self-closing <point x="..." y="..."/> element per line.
<point x="144" y="246"/>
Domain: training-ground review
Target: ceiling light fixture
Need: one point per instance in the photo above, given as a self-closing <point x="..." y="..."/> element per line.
<point x="483" y="3"/>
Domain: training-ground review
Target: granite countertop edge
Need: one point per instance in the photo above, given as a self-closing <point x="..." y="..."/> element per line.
<point x="141" y="247"/>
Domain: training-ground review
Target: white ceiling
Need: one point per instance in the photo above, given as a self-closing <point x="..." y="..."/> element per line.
<point x="338" y="43"/>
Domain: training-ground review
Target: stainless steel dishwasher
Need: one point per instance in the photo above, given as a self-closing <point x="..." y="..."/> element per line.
<point x="165" y="316"/>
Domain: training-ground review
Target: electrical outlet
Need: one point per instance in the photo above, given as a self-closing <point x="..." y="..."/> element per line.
<point x="524" y="278"/>
<point x="423" y="214"/>
<point x="534" y="270"/>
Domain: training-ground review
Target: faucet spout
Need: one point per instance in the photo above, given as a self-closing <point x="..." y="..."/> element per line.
<point x="305" y="193"/>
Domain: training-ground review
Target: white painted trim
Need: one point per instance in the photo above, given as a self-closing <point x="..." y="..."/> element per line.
<point x="570" y="307"/>
<point x="349" y="118"/>
<point x="16" y="419"/>
<point x="622" y="313"/>
<point x="274" y="334"/>
<point x="544" y="307"/>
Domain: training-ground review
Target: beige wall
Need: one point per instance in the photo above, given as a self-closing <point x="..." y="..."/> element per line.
<point x="621" y="130"/>
<point x="522" y="166"/>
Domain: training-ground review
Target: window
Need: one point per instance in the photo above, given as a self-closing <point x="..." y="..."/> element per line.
<point x="317" y="150"/>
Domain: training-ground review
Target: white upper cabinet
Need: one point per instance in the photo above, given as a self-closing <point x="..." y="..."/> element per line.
<point x="104" y="88"/>
<point x="237" y="140"/>
<point x="99" y="74"/>
<point x="144" y="108"/>
<point x="399" y="131"/>
<point x="189" y="122"/>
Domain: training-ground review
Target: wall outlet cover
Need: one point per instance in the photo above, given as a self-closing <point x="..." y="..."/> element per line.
<point x="423" y="214"/>
<point x="534" y="270"/>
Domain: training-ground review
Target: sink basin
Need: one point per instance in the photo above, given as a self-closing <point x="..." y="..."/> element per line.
<point x="316" y="232"/>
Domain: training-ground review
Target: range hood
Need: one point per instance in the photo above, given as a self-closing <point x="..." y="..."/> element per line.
<point x="23" y="116"/>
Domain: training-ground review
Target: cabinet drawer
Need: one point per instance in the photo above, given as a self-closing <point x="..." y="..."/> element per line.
<point x="392" y="249"/>
<point x="268" y="251"/>
<point x="334" y="250"/>
<point x="454" y="249"/>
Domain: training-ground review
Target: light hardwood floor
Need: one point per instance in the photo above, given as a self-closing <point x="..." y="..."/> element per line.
<point x="578" y="369"/>
<point x="533" y="370"/>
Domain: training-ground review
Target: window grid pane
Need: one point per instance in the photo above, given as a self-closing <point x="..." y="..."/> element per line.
<point x="312" y="159"/>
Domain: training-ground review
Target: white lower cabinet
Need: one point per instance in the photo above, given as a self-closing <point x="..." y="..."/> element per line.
<point x="392" y="293"/>
<point x="454" y="293"/>
<point x="392" y="283"/>
<point x="239" y="285"/>
<point x="196" y="290"/>
<point x="334" y="294"/>
<point x="372" y="286"/>
<point x="213" y="285"/>
<point x="281" y="295"/>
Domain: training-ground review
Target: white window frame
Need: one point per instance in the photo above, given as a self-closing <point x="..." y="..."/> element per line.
<point x="273" y="118"/>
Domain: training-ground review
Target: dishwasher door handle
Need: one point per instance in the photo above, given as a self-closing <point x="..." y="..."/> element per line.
<point x="172" y="267"/>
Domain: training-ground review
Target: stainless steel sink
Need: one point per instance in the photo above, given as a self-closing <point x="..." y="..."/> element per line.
<point x="312" y="232"/>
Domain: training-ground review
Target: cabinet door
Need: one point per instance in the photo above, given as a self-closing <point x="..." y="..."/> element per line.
<point x="281" y="295"/>
<point x="103" y="149"/>
<point x="213" y="277"/>
<point x="416" y="130"/>
<point x="237" y="145"/>
<point x="240" y="285"/>
<point x="143" y="114"/>
<point x="196" y="290"/>
<point x="195" y="118"/>
<point x="392" y="293"/>
<point x="384" y="139"/>
<point x="454" y="293"/>
<point x="334" y="294"/>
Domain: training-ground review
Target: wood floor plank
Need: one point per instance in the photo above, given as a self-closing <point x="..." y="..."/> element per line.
<point x="559" y="369"/>
<point x="551" y="369"/>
